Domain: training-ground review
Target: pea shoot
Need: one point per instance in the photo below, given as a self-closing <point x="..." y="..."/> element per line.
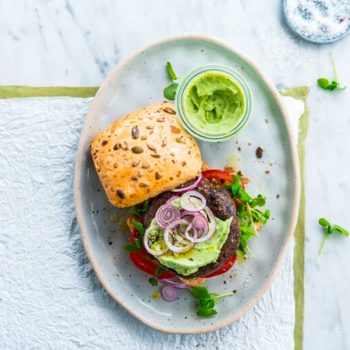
<point x="136" y="246"/>
<point x="330" y="229"/>
<point x="207" y="300"/>
<point x="170" y="91"/>
<point x="326" y="84"/>
<point x="140" y="209"/>
<point x="249" y="216"/>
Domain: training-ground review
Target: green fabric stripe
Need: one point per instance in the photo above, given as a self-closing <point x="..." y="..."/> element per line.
<point x="300" y="93"/>
<point x="34" y="91"/>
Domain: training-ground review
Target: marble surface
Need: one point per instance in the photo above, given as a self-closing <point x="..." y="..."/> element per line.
<point x="78" y="42"/>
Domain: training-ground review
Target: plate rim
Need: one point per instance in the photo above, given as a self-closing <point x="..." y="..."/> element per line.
<point x="83" y="229"/>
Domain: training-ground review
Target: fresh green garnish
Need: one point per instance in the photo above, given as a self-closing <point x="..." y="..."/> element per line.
<point x="159" y="271"/>
<point x="136" y="246"/>
<point x="153" y="281"/>
<point x="329" y="229"/>
<point x="206" y="300"/>
<point x="140" y="209"/>
<point x="170" y="71"/>
<point x="326" y="84"/>
<point x="248" y="214"/>
<point x="170" y="91"/>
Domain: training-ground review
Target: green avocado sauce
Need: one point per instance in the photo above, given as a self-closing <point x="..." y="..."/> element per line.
<point x="200" y="255"/>
<point x="214" y="103"/>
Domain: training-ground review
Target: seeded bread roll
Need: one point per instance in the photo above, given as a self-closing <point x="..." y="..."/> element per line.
<point x="144" y="154"/>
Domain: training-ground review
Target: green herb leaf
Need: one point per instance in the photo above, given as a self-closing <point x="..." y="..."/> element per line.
<point x="153" y="281"/>
<point x="139" y="227"/>
<point x="329" y="230"/>
<point x="131" y="247"/>
<point x="323" y="222"/>
<point x="170" y="71"/>
<point x="206" y="300"/>
<point x="159" y="271"/>
<point x="206" y="312"/>
<point x="170" y="91"/>
<point x="140" y="209"/>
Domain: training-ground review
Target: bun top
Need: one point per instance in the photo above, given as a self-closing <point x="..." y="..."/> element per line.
<point x="143" y="154"/>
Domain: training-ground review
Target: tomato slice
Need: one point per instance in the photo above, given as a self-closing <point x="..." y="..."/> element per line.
<point x="143" y="261"/>
<point x="229" y="263"/>
<point x="218" y="174"/>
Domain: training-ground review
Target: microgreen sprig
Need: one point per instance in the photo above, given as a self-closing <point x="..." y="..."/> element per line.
<point x="326" y="84"/>
<point x="170" y="91"/>
<point x="136" y="246"/>
<point x="207" y="300"/>
<point x="140" y="209"/>
<point x="330" y="229"/>
<point x="248" y="214"/>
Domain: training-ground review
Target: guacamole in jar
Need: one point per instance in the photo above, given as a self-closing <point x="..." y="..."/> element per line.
<point x="214" y="103"/>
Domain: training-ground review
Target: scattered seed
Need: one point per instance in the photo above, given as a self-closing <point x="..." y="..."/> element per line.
<point x="115" y="165"/>
<point x="160" y="119"/>
<point x="164" y="142"/>
<point x="135" y="163"/>
<point x="169" y="110"/>
<point x="155" y="155"/>
<point x="143" y="137"/>
<point x="142" y="184"/>
<point x="172" y="154"/>
<point x="115" y="147"/>
<point x="139" y="173"/>
<point x="158" y="176"/>
<point x="259" y="152"/>
<point x="104" y="142"/>
<point x="137" y="149"/>
<point x="174" y="129"/>
<point x="145" y="166"/>
<point x="184" y="163"/>
<point x="120" y="194"/>
<point x="267" y="171"/>
<point x="277" y="196"/>
<point x="134" y="178"/>
<point x="151" y="147"/>
<point x="149" y="127"/>
<point x="135" y="133"/>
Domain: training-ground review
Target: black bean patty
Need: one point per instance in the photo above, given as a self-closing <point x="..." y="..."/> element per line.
<point x="222" y="206"/>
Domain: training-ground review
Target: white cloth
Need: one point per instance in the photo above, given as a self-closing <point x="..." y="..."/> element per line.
<point x="49" y="296"/>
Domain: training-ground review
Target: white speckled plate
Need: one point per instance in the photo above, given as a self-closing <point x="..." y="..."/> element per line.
<point x="139" y="81"/>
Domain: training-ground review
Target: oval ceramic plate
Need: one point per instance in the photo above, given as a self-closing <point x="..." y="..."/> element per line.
<point x="139" y="81"/>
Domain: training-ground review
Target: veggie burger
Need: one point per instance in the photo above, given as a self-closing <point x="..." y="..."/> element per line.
<point x="183" y="220"/>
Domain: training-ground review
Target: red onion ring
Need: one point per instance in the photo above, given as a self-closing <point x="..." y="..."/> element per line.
<point x="192" y="194"/>
<point x="167" y="232"/>
<point x="199" y="222"/>
<point x="166" y="214"/>
<point x="191" y="187"/>
<point x="179" y="285"/>
<point x="171" y="199"/>
<point x="168" y="293"/>
<point x="148" y="248"/>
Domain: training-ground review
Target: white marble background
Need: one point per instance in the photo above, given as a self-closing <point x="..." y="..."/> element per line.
<point x="56" y="42"/>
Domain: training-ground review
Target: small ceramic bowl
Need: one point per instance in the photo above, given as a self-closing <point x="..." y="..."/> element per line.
<point x="185" y="119"/>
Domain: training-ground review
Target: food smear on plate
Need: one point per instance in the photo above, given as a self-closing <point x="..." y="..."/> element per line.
<point x="214" y="103"/>
<point x="188" y="223"/>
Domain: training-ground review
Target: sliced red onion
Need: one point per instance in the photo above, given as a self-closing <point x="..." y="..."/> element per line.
<point x="199" y="222"/>
<point x="168" y="293"/>
<point x="211" y="221"/>
<point x="148" y="248"/>
<point x="171" y="199"/>
<point x="199" y="235"/>
<point x="167" y="233"/>
<point x="175" y="284"/>
<point x="166" y="214"/>
<point x="191" y="187"/>
<point x="187" y="198"/>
